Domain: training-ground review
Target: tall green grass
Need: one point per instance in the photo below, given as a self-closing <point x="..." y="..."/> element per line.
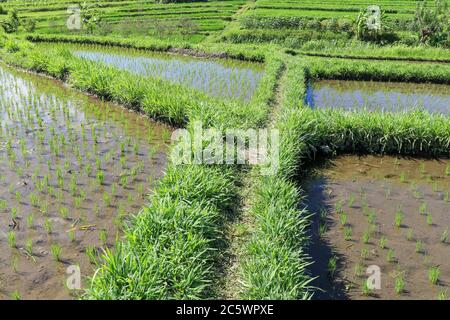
<point x="410" y="134"/>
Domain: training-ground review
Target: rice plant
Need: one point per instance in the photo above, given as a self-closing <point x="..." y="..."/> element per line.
<point x="332" y="266"/>
<point x="399" y="284"/>
<point x="11" y="235"/>
<point x="442" y="294"/>
<point x="366" y="237"/>
<point x="16" y="295"/>
<point x="348" y="233"/>
<point x="48" y="225"/>
<point x="366" y="290"/>
<point x="29" y="246"/>
<point x="343" y="218"/>
<point x="359" y="269"/>
<point x="364" y="253"/>
<point x="30" y="220"/>
<point x="429" y="219"/>
<point x="390" y="256"/>
<point x="91" y="253"/>
<point x="409" y="234"/>
<point x="423" y="208"/>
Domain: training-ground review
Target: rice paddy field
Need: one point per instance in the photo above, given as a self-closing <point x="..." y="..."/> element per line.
<point x="117" y="168"/>
<point x="136" y="18"/>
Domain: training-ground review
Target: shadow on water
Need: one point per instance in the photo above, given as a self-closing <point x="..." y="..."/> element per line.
<point x="320" y="250"/>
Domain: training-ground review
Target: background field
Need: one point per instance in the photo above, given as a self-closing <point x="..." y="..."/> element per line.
<point x="286" y="22"/>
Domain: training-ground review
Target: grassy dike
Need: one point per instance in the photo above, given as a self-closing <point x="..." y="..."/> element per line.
<point x="172" y="248"/>
<point x="347" y="69"/>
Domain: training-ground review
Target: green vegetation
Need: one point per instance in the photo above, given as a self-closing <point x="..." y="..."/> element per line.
<point x="347" y="69"/>
<point x="176" y="246"/>
<point x="189" y="20"/>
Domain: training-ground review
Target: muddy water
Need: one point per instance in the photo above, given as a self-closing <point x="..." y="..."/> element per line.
<point x="365" y="194"/>
<point x="217" y="77"/>
<point x="385" y="96"/>
<point x="71" y="169"/>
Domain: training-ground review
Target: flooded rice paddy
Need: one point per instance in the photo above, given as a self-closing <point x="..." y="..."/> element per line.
<point x="71" y="169"/>
<point x="393" y="213"/>
<point x="216" y="77"/>
<point x="384" y="96"/>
